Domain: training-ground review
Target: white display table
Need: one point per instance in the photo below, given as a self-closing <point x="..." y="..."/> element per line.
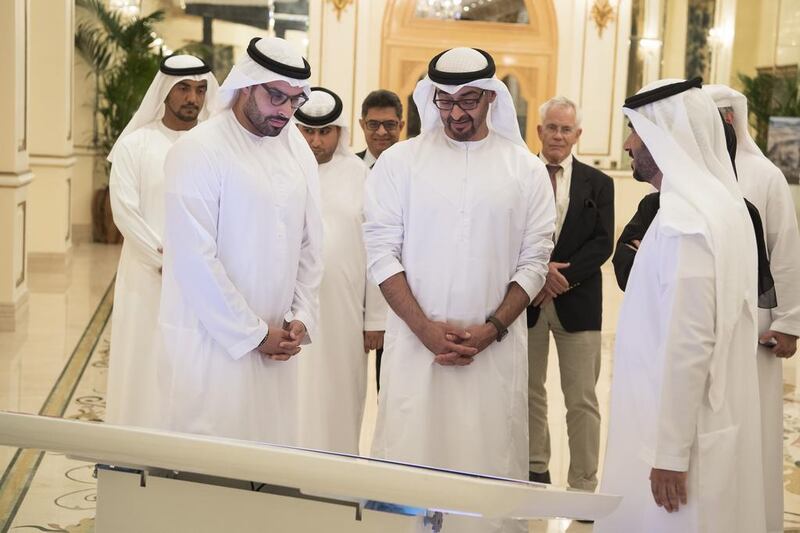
<point x="173" y="482"/>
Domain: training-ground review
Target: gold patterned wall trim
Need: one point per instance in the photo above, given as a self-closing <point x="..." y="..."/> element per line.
<point x="69" y="210"/>
<point x="340" y="5"/>
<point x="602" y="15"/>
<point x="71" y="68"/>
<point x="23" y="142"/>
<point x="22" y="211"/>
<point x="611" y="109"/>
<point x="529" y="51"/>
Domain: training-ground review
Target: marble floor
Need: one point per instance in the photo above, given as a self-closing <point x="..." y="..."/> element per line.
<point x="66" y="337"/>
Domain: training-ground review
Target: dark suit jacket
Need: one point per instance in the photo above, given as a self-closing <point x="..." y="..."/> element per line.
<point x="634" y="231"/>
<point x="586" y="242"/>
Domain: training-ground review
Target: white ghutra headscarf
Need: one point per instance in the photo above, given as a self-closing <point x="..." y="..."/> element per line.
<point x="267" y="59"/>
<point x="456" y="68"/>
<point x="173" y="70"/>
<point x="680" y="126"/>
<point x="325" y="108"/>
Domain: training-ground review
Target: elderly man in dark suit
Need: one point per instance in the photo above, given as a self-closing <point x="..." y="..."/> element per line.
<point x="570" y="304"/>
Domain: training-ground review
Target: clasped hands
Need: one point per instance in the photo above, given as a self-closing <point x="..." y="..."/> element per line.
<point x="283" y="343"/>
<point x="455" y="346"/>
<point x="555" y="285"/>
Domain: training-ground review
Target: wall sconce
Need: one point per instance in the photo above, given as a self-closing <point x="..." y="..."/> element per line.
<point x="603" y="14"/>
<point x="720" y="36"/>
<point x="650" y="45"/>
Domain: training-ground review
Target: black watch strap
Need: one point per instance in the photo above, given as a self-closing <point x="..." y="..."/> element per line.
<point x="502" y="331"/>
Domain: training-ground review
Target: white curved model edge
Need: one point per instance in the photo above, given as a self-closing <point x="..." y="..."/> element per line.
<point x="313" y="472"/>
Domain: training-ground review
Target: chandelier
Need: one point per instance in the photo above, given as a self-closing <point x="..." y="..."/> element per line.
<point x="439" y="9"/>
<point x="129" y="8"/>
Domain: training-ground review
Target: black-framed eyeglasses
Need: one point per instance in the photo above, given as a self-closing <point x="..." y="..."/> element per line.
<point x="466" y="104"/>
<point x="388" y="125"/>
<point x="277" y="97"/>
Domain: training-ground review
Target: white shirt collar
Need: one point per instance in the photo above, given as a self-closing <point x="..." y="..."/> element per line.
<point x="369" y="159"/>
<point x="565" y="164"/>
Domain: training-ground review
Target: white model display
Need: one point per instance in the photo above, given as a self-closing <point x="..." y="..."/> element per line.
<point x="159" y="481"/>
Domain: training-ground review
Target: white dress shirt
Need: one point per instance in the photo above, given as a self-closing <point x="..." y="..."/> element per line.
<point x="369" y="159"/>
<point x="563" y="183"/>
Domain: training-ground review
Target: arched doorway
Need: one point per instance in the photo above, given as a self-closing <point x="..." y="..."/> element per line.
<point x="520" y="34"/>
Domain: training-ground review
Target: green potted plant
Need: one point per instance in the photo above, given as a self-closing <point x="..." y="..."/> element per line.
<point x="769" y="95"/>
<point x="123" y="58"/>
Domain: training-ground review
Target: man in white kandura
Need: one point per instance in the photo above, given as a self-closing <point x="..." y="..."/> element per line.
<point x="765" y="186"/>
<point x="684" y="441"/>
<point x="173" y="104"/>
<point x="458" y="232"/>
<point x="242" y="254"/>
<point x="333" y="371"/>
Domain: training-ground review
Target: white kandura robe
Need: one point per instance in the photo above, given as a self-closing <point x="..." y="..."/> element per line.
<point x="660" y="413"/>
<point x="242" y="250"/>
<point x="333" y="370"/>
<point x="765" y="186"/>
<point x="137" y="202"/>
<point x="463" y="220"/>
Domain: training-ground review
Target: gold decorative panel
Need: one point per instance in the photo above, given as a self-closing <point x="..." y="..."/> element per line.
<point x="527" y="51"/>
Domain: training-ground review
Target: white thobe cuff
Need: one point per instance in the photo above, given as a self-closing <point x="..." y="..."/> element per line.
<point x="675" y="463"/>
<point x="664" y="461"/>
<point x="786" y="325"/>
<point x="531" y="282"/>
<point x="375" y="325"/>
<point x="305" y="318"/>
<point x="250" y="343"/>
<point x="384" y="268"/>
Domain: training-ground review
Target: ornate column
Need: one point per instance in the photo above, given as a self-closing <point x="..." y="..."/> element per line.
<point x="15" y="175"/>
<point x="52" y="156"/>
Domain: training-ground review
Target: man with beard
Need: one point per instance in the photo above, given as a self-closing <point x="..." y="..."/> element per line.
<point x="333" y="372"/>
<point x="242" y="255"/>
<point x="458" y="232"/>
<point x="684" y="444"/>
<point x="173" y="104"/>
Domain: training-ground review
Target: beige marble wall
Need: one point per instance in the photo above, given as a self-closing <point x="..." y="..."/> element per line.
<point x="51" y="130"/>
<point x="15" y="176"/>
<point x="84" y="178"/>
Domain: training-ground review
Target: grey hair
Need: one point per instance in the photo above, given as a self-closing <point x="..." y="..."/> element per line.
<point x="560" y="101"/>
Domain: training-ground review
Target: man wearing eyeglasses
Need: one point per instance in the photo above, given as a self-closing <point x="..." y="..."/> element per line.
<point x="570" y="303"/>
<point x="242" y="255"/>
<point x="382" y="122"/>
<point x="458" y="232"/>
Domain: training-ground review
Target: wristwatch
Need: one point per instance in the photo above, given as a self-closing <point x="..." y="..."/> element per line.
<point x="502" y="331"/>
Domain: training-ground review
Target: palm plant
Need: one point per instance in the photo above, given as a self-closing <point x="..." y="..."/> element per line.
<point x="123" y="59"/>
<point x="769" y="95"/>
